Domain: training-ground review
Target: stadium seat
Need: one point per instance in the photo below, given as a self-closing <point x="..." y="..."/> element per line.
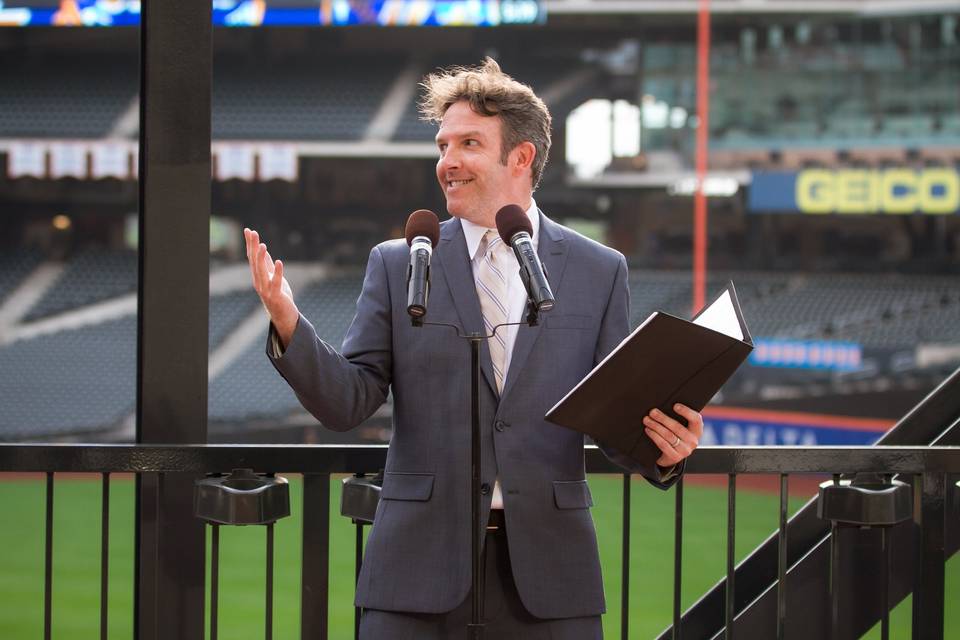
<point x="91" y="276"/>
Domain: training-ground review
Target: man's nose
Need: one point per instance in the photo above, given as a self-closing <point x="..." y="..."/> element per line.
<point x="449" y="160"/>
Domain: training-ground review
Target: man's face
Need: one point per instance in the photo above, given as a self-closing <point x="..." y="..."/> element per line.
<point x="476" y="184"/>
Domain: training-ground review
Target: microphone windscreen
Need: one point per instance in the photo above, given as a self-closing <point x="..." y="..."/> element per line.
<point x="511" y="220"/>
<point x="423" y="222"/>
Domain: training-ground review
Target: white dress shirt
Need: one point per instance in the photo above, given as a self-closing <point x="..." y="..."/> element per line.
<point x="516" y="299"/>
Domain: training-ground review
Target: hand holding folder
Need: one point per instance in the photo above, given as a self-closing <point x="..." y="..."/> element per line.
<point x="666" y="360"/>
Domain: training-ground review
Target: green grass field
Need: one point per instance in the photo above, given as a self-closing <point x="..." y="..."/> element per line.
<point x="76" y="586"/>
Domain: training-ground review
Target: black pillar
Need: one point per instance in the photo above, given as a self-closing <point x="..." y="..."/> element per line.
<point x="175" y="80"/>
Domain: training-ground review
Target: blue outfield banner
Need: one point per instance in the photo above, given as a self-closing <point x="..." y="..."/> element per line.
<point x="896" y="191"/>
<point x="733" y="426"/>
<point x="828" y="355"/>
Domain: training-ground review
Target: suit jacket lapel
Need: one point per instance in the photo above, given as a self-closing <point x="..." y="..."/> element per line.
<point x="552" y="249"/>
<point x="451" y="264"/>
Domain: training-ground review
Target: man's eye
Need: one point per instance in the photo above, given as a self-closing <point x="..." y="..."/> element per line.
<point x="471" y="142"/>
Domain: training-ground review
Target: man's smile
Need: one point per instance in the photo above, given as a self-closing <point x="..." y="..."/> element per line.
<point x="453" y="184"/>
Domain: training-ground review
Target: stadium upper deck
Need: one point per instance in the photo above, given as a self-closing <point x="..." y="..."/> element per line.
<point x="779" y="82"/>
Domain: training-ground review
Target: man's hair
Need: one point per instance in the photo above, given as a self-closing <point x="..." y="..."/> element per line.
<point x="491" y="92"/>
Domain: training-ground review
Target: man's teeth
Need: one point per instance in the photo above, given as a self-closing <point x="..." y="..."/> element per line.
<point x="457" y="183"/>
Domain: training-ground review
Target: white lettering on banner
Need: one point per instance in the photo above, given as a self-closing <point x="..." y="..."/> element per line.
<point x="27" y="159"/>
<point x="751" y="435"/>
<point x="68" y="159"/>
<point x="235" y="161"/>
<point x="111" y="160"/>
<point x="709" y="437"/>
<point x="754" y="435"/>
<point x="900" y="191"/>
<point x="732" y="434"/>
<point x="278" y="162"/>
<point x="776" y="352"/>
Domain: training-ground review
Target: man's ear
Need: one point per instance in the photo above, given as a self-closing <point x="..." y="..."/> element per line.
<point x="522" y="157"/>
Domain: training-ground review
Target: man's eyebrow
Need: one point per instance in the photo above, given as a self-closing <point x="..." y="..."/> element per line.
<point x="474" y="133"/>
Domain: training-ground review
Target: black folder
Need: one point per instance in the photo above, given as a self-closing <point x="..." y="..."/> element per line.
<point x="664" y="361"/>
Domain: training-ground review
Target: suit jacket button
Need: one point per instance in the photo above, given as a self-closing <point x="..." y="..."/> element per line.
<point x="485" y="488"/>
<point x="500" y="425"/>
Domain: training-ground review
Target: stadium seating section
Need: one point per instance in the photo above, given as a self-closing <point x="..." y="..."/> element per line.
<point x="876" y="311"/>
<point x="838" y="97"/>
<point x="300" y="100"/>
<point x="78" y="380"/>
<point x="80" y="96"/>
<point x="15" y="264"/>
<point x="793" y="97"/>
<point x="90" y="276"/>
<point x="227" y="311"/>
<point x="250" y="387"/>
<point x="69" y="382"/>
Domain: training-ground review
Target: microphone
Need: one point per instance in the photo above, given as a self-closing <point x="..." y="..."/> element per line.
<point x="422" y="233"/>
<point x="515" y="229"/>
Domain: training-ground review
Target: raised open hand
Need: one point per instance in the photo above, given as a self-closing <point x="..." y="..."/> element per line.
<point x="272" y="287"/>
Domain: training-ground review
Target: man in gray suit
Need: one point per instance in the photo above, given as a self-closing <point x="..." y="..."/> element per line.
<point x="542" y="563"/>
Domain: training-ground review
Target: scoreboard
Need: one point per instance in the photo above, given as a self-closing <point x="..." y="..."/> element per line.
<point x="254" y="13"/>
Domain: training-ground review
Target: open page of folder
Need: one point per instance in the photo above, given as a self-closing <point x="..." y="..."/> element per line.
<point x="721" y="316"/>
<point x="663" y="361"/>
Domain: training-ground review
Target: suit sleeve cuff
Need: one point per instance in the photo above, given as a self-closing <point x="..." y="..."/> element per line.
<point x="668" y="473"/>
<point x="275" y="349"/>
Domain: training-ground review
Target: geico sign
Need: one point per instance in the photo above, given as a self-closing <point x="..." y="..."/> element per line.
<point x="878" y="191"/>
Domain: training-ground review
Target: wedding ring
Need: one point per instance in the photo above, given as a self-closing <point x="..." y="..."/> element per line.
<point x="676" y="442"/>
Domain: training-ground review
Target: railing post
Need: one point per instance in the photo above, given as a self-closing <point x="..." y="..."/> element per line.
<point x="315" y="576"/>
<point x="625" y="562"/>
<point x="782" y="559"/>
<point x="928" y="600"/>
<point x="731" y="603"/>
<point x="104" y="553"/>
<point x="358" y="564"/>
<point x="677" y="557"/>
<point x="48" y="562"/>
<point x="835" y="573"/>
<point x="359" y="498"/>
<point x="268" y="605"/>
<point x="884" y="585"/>
<point x="214" y="580"/>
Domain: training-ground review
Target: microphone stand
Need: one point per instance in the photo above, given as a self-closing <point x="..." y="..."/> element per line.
<point x="475" y="628"/>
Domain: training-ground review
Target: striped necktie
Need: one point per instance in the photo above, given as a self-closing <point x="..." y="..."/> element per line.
<point x="492" y="292"/>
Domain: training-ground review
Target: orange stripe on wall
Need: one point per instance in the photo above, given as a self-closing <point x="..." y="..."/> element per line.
<point x="795" y="417"/>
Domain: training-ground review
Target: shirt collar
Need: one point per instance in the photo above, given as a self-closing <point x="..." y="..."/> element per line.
<point x="473" y="233"/>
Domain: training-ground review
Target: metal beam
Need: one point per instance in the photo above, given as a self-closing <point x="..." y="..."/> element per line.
<point x="174" y="164"/>
<point x="321" y="458"/>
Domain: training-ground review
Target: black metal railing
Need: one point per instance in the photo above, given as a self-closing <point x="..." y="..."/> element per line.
<point x="930" y="467"/>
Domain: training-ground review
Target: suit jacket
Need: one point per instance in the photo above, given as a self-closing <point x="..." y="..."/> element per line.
<point x="418" y="552"/>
